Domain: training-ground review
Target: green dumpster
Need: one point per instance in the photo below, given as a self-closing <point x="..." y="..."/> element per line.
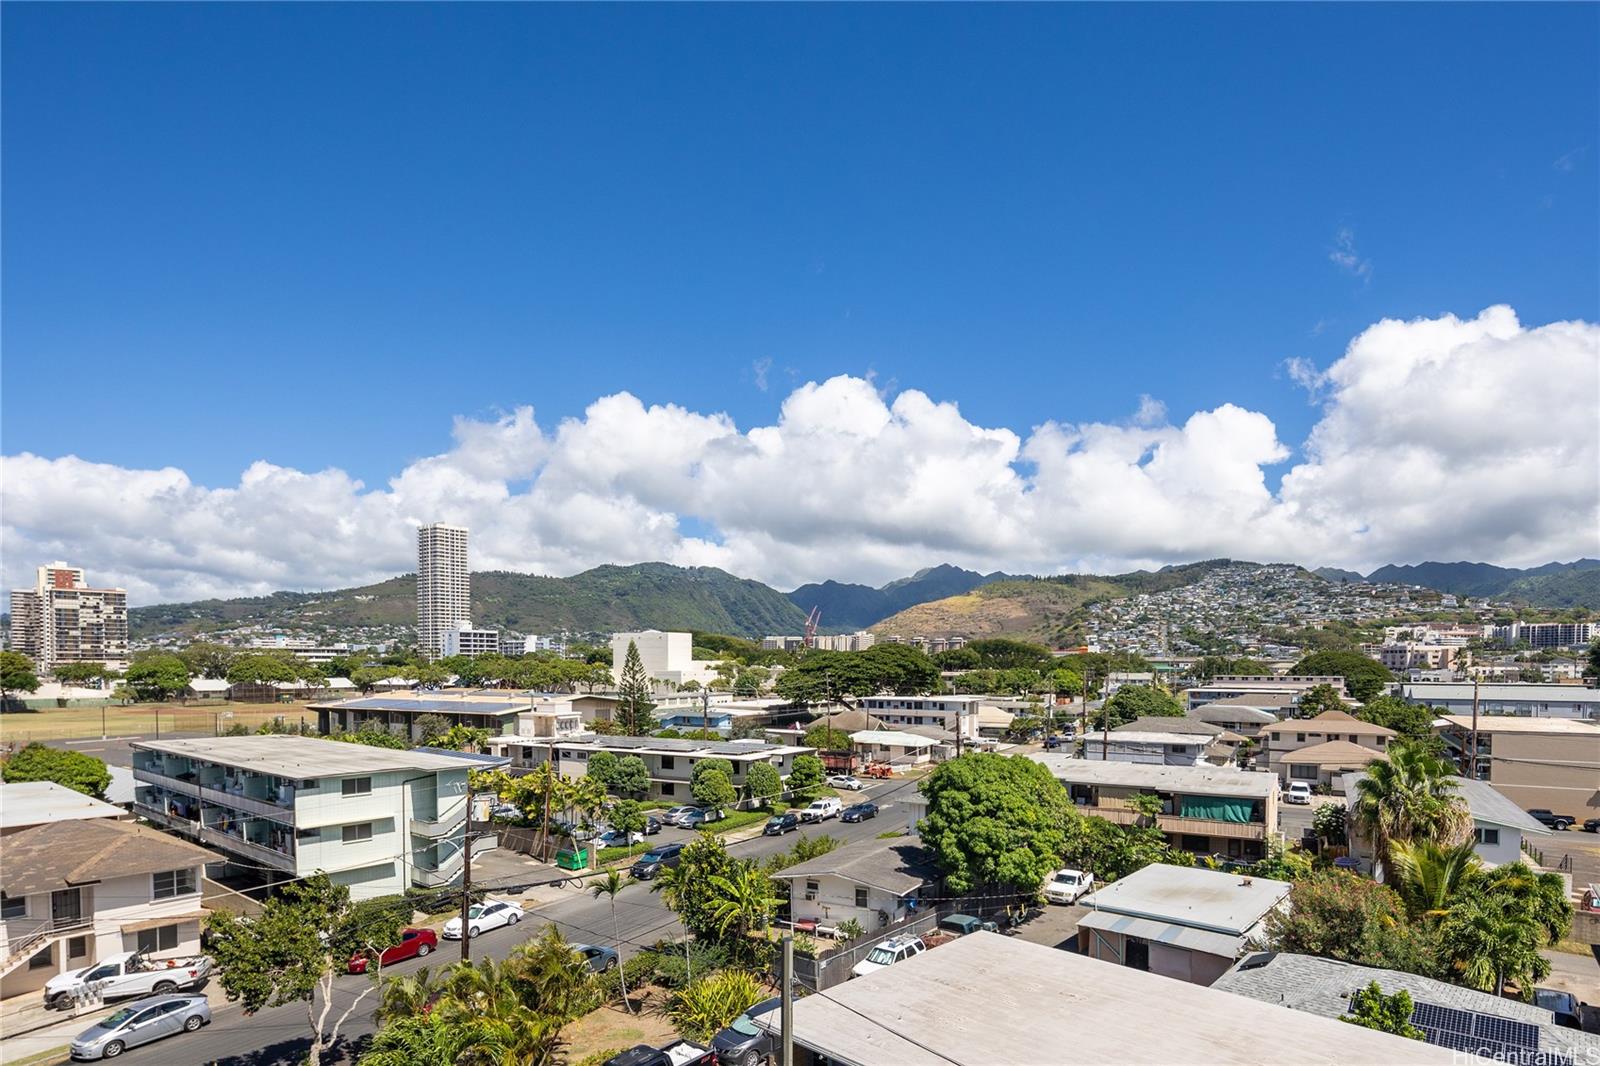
<point x="570" y="859"/>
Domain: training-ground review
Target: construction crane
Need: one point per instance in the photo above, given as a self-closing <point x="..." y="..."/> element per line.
<point x="811" y="627"/>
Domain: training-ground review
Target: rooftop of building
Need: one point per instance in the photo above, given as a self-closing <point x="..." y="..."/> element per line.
<point x="1329" y="721"/>
<point x="1249" y="700"/>
<point x="46" y="857"/>
<point x="898" y="737"/>
<point x="1192" y="780"/>
<point x="24" y="803"/>
<point x="1147" y="737"/>
<point x="897" y="869"/>
<point x="1193" y="896"/>
<point x="1331" y="753"/>
<point x="1501" y="690"/>
<point x="1167" y="724"/>
<point x="303" y="758"/>
<point x="1516" y="723"/>
<point x="662" y="746"/>
<point x="1324" y="987"/>
<point x="986" y="998"/>
<point x="435" y="701"/>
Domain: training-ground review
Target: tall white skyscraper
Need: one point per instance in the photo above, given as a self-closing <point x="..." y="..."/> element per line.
<point x="62" y="620"/>
<point x="444" y="585"/>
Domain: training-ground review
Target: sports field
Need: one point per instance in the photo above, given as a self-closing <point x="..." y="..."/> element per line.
<point x="141" y="719"/>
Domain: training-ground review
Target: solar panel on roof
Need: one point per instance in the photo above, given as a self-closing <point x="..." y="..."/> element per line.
<point x="1503" y="1039"/>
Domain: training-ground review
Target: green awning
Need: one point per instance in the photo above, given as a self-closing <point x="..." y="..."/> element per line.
<point x="1217" y="808"/>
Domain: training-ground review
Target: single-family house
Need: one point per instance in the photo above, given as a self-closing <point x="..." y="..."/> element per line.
<point x="875" y="885"/>
<point x="1185" y="922"/>
<point x="73" y="892"/>
<point x="896" y="747"/>
<point x="24" y="804"/>
<point x="1498" y="825"/>
<point x="1318" y="750"/>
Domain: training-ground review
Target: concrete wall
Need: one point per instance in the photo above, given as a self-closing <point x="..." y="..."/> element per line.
<point x="1552" y="770"/>
<point x="1182" y="964"/>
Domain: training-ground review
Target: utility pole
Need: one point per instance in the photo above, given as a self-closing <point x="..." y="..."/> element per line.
<point x="786" y="1017"/>
<point x="1472" y="754"/>
<point x="466" y="876"/>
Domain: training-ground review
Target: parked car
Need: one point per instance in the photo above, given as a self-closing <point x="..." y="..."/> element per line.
<point x="652" y="825"/>
<point x="656" y="859"/>
<point x="140" y="1023"/>
<point x="1067" y="886"/>
<point x="962" y="924"/>
<point x="616" y="838"/>
<point x="822" y="809"/>
<point x="414" y="943"/>
<point x="1052" y="742"/>
<point x="895" y="949"/>
<point x="858" y="812"/>
<point x="1592" y="825"/>
<point x="482" y="917"/>
<point x="124" y="975"/>
<point x="505" y="810"/>
<point x="699" y="816"/>
<point x="1297" y="792"/>
<point x="1558" y="822"/>
<point x="780" y="824"/>
<point x="743" y="1043"/>
<point x="671" y="815"/>
<point x="849" y="781"/>
<point x="599" y="959"/>
<point x="677" y="1053"/>
<point x="1564" y="1005"/>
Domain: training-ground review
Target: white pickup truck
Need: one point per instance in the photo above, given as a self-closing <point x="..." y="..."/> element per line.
<point x="127" y="973"/>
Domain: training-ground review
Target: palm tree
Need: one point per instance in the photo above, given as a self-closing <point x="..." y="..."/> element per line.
<point x="1429" y="876"/>
<point x="551" y="977"/>
<point x="584" y="798"/>
<point x="610" y="887"/>
<point x="1410" y="795"/>
<point x="1542" y="895"/>
<point x="407" y="997"/>
<point x="744" y="900"/>
<point x="1489" y="941"/>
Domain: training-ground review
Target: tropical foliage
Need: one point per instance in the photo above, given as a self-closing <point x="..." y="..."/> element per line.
<point x="1411" y="795"/>
<point x="1371" y="1009"/>
<point x="995" y="820"/>
<point x="711" y="1003"/>
<point x="70" y="769"/>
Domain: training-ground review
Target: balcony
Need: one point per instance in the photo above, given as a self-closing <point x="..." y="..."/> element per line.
<point x="238" y="845"/>
<point x="187" y="785"/>
<point x="160" y="816"/>
<point x="1172" y="823"/>
<point x="441" y="826"/>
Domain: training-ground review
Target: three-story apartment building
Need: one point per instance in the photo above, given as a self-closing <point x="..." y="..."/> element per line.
<point x="953" y="714"/>
<point x="669" y="762"/>
<point x="376" y="819"/>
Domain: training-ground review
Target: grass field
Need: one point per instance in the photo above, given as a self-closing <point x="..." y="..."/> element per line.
<point x="140" y="719"/>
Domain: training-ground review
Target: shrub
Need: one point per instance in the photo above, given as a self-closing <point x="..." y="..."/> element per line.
<point x="672" y="970"/>
<point x="702" y="1009"/>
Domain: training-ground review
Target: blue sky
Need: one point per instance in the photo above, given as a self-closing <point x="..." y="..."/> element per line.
<point x="309" y="233"/>
<point x="313" y="235"/>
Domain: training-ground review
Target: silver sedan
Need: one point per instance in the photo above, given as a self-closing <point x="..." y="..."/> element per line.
<point x="141" y="1022"/>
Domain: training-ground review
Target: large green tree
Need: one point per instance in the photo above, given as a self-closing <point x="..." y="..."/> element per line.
<point x="1411" y="795"/>
<point x="291" y="952"/>
<point x="76" y="673"/>
<point x="207" y="659"/>
<point x="1353" y="919"/>
<point x="806" y="778"/>
<point x="1005" y="653"/>
<point x="1364" y="678"/>
<point x="762" y="783"/>
<point x="70" y="769"/>
<point x="1407" y="719"/>
<point x="157" y="677"/>
<point x="688" y="889"/>
<point x="631" y="777"/>
<point x="635" y="709"/>
<point x="1318" y="699"/>
<point x="1112" y="851"/>
<point x="1137" y="701"/>
<point x="995" y="820"/>
<point x="16" y="674"/>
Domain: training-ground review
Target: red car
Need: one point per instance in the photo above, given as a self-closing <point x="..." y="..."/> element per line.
<point x="414" y="943"/>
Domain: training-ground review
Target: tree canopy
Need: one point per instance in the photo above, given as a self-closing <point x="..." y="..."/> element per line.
<point x="1138" y="701"/>
<point x="995" y="820"/>
<point x="157" y="677"/>
<point x="634" y="712"/>
<point x="17" y="673"/>
<point x="1364" y="678"/>
<point x="70" y="769"/>
<point x="806" y="778"/>
<point x="1318" y="699"/>
<point x="1407" y="719"/>
<point x="835" y="676"/>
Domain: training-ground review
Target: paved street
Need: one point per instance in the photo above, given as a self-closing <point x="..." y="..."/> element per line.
<point x="278" y="1037"/>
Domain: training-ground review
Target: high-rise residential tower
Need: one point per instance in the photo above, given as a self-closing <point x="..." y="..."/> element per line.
<point x="444" y="585"/>
<point x="61" y="619"/>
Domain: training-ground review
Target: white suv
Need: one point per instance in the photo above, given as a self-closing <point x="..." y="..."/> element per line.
<point x="1299" y="792"/>
<point x="1065" y="886"/>
<point x="895" y="949"/>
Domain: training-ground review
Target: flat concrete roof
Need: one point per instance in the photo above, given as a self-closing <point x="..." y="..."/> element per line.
<point x="1195" y="780"/>
<point x="985" y="999"/>
<point x="1516" y="723"/>
<point x="891" y="736"/>
<point x="1202" y="739"/>
<point x="38" y="802"/>
<point x="726" y="749"/>
<point x="1192" y="896"/>
<point x="1500" y="690"/>
<point x="290" y="756"/>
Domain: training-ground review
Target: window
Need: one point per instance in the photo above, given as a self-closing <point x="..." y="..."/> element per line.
<point x="1487" y="836"/>
<point x="162" y="939"/>
<point x="811" y="890"/>
<point x="1191" y="842"/>
<point x="668" y="762"/>
<point x="13" y="906"/>
<point x="308" y="834"/>
<point x="356" y="786"/>
<point x="78" y="947"/>
<point x="861" y="896"/>
<point x="669" y="789"/>
<point x="170" y="883"/>
<point x="356" y="833"/>
<point x="1300" y="738"/>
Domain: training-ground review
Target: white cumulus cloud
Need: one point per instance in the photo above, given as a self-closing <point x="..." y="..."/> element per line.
<point x="1438" y="438"/>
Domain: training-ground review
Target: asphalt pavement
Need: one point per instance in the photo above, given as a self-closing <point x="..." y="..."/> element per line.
<point x="279" y="1036"/>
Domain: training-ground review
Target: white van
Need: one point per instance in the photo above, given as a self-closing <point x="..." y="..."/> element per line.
<point x="822" y="809"/>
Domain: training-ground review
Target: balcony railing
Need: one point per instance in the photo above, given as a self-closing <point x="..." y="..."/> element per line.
<point x="448" y="823"/>
<point x="240" y="846"/>
<point x="1172" y="823"/>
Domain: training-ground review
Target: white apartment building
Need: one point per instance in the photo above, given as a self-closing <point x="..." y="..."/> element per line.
<point x="444" y="585"/>
<point x="1524" y="700"/>
<point x="1546" y="634"/>
<point x="61" y="620"/>
<point x="669" y="762"/>
<point x="950" y="713"/>
<point x="466" y="639"/>
<point x="375" y="819"/>
<point x="536" y="643"/>
<point x="1411" y="655"/>
<point x="1286" y="689"/>
<point x="666" y="657"/>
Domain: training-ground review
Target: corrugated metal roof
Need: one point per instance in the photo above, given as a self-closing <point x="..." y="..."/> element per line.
<point x="1168" y="933"/>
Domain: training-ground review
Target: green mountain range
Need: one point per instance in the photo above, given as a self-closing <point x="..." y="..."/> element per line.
<point x="1574" y="584"/>
<point x="845" y="606"/>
